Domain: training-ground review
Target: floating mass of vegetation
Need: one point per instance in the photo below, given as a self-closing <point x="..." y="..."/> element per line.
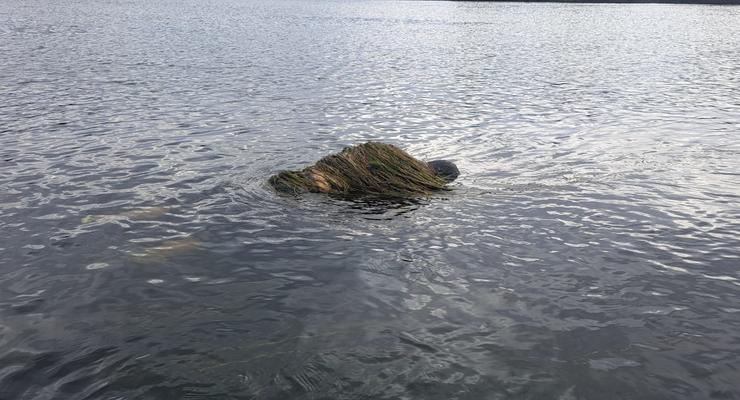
<point x="368" y="169"/>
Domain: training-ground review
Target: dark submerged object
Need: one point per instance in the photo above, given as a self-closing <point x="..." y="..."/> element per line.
<point x="447" y="170"/>
<point x="369" y="169"/>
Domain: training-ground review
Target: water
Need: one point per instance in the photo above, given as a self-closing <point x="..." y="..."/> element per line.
<point x="590" y="249"/>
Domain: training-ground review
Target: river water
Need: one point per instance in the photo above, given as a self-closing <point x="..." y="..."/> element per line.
<point x="589" y="250"/>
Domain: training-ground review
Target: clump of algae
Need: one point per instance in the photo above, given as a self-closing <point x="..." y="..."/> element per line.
<point x="368" y="169"/>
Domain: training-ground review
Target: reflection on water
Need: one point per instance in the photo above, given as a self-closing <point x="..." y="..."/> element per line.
<point x="589" y="249"/>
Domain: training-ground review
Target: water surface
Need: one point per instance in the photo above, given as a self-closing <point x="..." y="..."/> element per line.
<point x="590" y="249"/>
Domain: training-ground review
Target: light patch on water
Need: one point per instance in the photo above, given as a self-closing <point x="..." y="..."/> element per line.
<point x="720" y="277"/>
<point x="669" y="267"/>
<point x="417" y="301"/>
<point x="99" y="265"/>
<point x="292" y="276"/>
<point x="358" y="233"/>
<point x="525" y="259"/>
<point x="607" y="364"/>
<point x="220" y="281"/>
<point x="155" y="281"/>
<point x="52" y="217"/>
<point x="439" y="313"/>
<point x="168" y="248"/>
<point x="88" y="219"/>
<point x="146" y="213"/>
<point x="443" y="290"/>
<point x="664" y="311"/>
<point x="34" y="294"/>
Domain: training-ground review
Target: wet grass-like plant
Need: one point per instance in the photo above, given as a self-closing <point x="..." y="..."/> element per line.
<point x="369" y="169"/>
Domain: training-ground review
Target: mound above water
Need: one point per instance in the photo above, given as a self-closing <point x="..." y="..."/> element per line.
<point x="372" y="168"/>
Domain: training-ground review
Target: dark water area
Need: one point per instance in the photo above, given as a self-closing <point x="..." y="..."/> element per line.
<point x="589" y="250"/>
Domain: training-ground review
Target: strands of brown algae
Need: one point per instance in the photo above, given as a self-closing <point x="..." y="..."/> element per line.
<point x="159" y="252"/>
<point x="166" y="249"/>
<point x="146" y="213"/>
<point x="372" y="168"/>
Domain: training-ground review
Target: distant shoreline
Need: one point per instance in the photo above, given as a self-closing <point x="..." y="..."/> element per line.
<point x="707" y="2"/>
